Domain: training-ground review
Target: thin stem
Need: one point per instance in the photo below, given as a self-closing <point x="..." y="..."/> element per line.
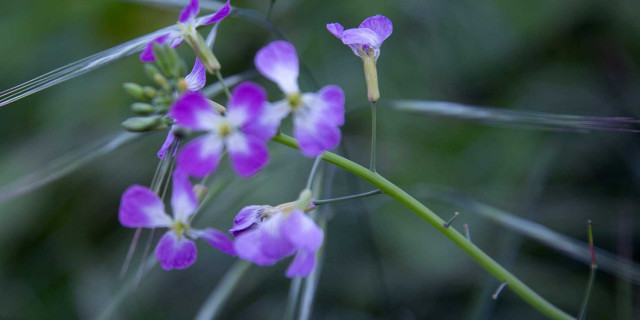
<point x="224" y="86"/>
<point x="292" y="300"/>
<point x="132" y="249"/>
<point x="458" y="239"/>
<point x="351" y="197"/>
<point x="592" y="275"/>
<point x="271" y="3"/>
<point x="223" y="290"/>
<point x="372" y="162"/>
<point x="311" y="282"/>
<point x="316" y="163"/>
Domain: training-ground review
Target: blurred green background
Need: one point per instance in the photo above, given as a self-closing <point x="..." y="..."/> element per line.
<point x="61" y="246"/>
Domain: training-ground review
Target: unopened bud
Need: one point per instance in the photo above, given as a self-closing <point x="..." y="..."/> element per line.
<point x="142" y="108"/>
<point x="201" y="191"/>
<point x="149" y="92"/>
<point x="134" y="90"/>
<point x="151" y="70"/>
<point x="199" y="46"/>
<point x="161" y="81"/>
<point x="141" y="124"/>
<point x="221" y="109"/>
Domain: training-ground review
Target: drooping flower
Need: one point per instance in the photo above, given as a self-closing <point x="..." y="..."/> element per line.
<point x="317" y="116"/>
<point x="142" y="208"/>
<point x="365" y="42"/>
<point x="188" y="24"/>
<point x="266" y="234"/>
<point x="244" y="129"/>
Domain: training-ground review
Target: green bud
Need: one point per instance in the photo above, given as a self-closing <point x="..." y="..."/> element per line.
<point x="162" y="58"/>
<point x="175" y="62"/>
<point x="134" y="90"/>
<point x="161" y="81"/>
<point x="199" y="46"/>
<point x="201" y="191"/>
<point x="151" y="70"/>
<point x="142" y="108"/>
<point x="149" y="92"/>
<point x="141" y="124"/>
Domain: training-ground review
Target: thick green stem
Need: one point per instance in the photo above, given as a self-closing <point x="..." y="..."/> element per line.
<point x="461" y="241"/>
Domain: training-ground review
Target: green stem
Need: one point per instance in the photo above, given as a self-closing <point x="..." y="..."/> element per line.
<point x="351" y="197"/>
<point x="458" y="239"/>
<point x="372" y="162"/>
<point x="224" y="86"/>
<point x="221" y="293"/>
<point x="316" y="163"/>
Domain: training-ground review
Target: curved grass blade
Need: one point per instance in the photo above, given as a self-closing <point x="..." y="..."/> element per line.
<point x="518" y="119"/>
<point x="223" y="290"/>
<point x="79" y="67"/>
<point x="64" y="165"/>
<point x="579" y="250"/>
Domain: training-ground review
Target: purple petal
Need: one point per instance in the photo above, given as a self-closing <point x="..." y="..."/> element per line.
<point x="140" y="207"/>
<point x="381" y="25"/>
<point x="247" y="102"/>
<point x="197" y="78"/>
<point x="167" y="144"/>
<point x="302" y="264"/>
<point x="183" y="200"/>
<point x="222" y="13"/>
<point x="193" y="110"/>
<point x="362" y="36"/>
<point x="273" y="243"/>
<point x="302" y="231"/>
<point x="248" y="154"/>
<point x="315" y="133"/>
<point x="330" y="103"/>
<point x="247" y="246"/>
<point x="278" y="62"/>
<point x="174" y="39"/>
<point x="246" y="220"/>
<point x="200" y="156"/>
<point x="190" y="11"/>
<point x="217" y="239"/>
<point x="336" y="29"/>
<point x="175" y="252"/>
<point x="267" y="124"/>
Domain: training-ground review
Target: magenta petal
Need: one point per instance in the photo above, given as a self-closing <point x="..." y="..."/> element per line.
<point x="247" y="246"/>
<point x="222" y="13"/>
<point x="167" y="144"/>
<point x="381" y="25"/>
<point x="302" y="231"/>
<point x="200" y="156"/>
<point x="330" y="102"/>
<point x="140" y="207"/>
<point x="278" y="62"/>
<point x="190" y="11"/>
<point x="247" y="103"/>
<point x="183" y="200"/>
<point x="175" y="252"/>
<point x="248" y="154"/>
<point x="193" y="110"/>
<point x="302" y="264"/>
<point x="218" y="240"/>
<point x="246" y="220"/>
<point x="173" y="38"/>
<point x="315" y="134"/>
<point x="362" y="36"/>
<point x="197" y="78"/>
<point x="336" y="29"/>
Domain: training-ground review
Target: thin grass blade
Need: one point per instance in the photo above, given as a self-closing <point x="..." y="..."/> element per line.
<point x="516" y="118"/>
<point x="576" y="249"/>
<point x="221" y="293"/>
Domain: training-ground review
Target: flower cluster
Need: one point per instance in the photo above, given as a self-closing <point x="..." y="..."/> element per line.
<point x="242" y="129"/>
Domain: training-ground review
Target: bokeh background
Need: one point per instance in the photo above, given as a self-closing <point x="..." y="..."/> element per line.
<point x="61" y="246"/>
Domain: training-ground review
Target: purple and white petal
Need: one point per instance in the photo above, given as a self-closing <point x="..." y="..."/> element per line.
<point x="193" y="110"/>
<point x="336" y="29"/>
<point x="267" y="124"/>
<point x="175" y="252"/>
<point x="329" y="102"/>
<point x="183" y="200"/>
<point x="222" y="13"/>
<point x="248" y="247"/>
<point x="278" y="62"/>
<point x="247" y="102"/>
<point x="197" y="78"/>
<point x="141" y="208"/>
<point x="173" y="38"/>
<point x="315" y="134"/>
<point x="362" y="36"/>
<point x="215" y="238"/>
<point x="248" y="154"/>
<point x="273" y="243"/>
<point x="381" y="25"/>
<point x="190" y="11"/>
<point x="302" y="264"/>
<point x="247" y="219"/>
<point x="201" y="156"/>
<point x="302" y="232"/>
<point x="167" y="144"/>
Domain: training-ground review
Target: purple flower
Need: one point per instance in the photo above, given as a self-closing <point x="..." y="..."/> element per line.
<point x="316" y="116"/>
<point x="188" y="24"/>
<point x="367" y="39"/>
<point x="266" y="234"/>
<point x="244" y="129"/>
<point x="142" y="208"/>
